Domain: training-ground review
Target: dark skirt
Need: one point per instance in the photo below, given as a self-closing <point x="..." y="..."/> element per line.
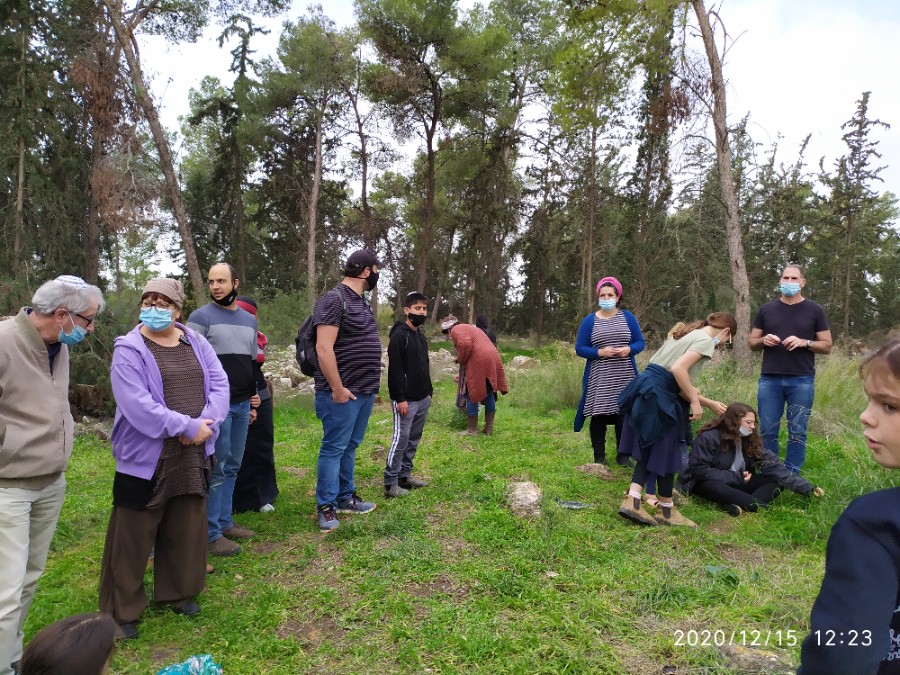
<point x="256" y="486"/>
<point x="662" y="457"/>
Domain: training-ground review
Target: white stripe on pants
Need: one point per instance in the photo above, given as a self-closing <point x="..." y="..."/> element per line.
<point x="407" y="434"/>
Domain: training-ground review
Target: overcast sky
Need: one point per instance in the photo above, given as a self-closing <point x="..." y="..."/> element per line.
<point x="798" y="67"/>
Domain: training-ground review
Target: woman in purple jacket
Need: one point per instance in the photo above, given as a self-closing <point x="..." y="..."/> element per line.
<point x="171" y="396"/>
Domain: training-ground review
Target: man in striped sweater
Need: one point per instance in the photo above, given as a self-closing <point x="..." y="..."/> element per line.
<point x="232" y="333"/>
<point x="347" y="380"/>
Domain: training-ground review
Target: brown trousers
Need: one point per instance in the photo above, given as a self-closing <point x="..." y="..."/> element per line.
<point x="177" y="533"/>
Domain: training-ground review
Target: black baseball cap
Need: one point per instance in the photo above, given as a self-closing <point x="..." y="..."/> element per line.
<point x="362" y="258"/>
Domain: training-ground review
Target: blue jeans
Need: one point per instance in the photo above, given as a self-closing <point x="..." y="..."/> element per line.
<point x="795" y="393"/>
<point x="489" y="403"/>
<point x="229" y="454"/>
<point x="343" y="429"/>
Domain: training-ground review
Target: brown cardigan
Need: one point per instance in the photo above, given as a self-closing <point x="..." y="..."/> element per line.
<point x="475" y="350"/>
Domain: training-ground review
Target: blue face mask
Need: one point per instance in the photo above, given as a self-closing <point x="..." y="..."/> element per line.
<point x="744" y="432"/>
<point x="156" y="319"/>
<point x="789" y="289"/>
<point x="716" y="340"/>
<point x="77" y="335"/>
<point x="606" y="305"/>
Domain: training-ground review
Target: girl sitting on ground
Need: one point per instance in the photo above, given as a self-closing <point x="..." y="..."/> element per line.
<point x="729" y="466"/>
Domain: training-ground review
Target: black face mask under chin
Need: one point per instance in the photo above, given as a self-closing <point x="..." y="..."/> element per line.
<point x="227" y="300"/>
<point x="416" y="319"/>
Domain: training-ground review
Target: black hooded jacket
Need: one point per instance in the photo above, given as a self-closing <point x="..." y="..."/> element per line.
<point x="409" y="373"/>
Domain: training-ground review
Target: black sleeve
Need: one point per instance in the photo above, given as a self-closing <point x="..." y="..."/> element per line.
<point x="858" y="594"/>
<point x="704" y="461"/>
<point x="769" y="465"/>
<point x="397" y="366"/>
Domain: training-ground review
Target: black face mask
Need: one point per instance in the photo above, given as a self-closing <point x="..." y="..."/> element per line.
<point x="227" y="300"/>
<point x="372" y="280"/>
<point x="416" y="319"/>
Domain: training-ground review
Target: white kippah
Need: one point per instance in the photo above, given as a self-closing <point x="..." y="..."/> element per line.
<point x="449" y="322"/>
<point x="71" y="280"/>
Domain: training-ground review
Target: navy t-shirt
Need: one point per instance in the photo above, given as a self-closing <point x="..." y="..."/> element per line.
<point x="357" y="348"/>
<point x="803" y="320"/>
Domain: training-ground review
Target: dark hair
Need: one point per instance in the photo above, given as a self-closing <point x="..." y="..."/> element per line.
<point x="481" y="321"/>
<point x="153" y="296"/>
<point x="886" y="355"/>
<point x="721" y="320"/>
<point x="76" y="645"/>
<point x="246" y="299"/>
<point x="413" y="297"/>
<point x="729" y="422"/>
<point x="231" y="270"/>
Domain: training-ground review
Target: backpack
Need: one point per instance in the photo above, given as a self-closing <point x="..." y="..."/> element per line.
<point x="305" y="342"/>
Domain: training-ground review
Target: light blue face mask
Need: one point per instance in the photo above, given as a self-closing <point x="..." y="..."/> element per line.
<point x="606" y="305"/>
<point x="790" y="289"/>
<point x="716" y="340"/>
<point x="156" y="319"/>
<point x="77" y="335"/>
<point x="744" y="431"/>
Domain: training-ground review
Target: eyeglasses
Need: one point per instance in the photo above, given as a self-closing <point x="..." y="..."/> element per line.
<point x="156" y="305"/>
<point x="87" y="320"/>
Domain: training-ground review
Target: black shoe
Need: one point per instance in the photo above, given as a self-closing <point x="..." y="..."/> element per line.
<point x="733" y="510"/>
<point x="410" y="483"/>
<point x="624" y="460"/>
<point x="127" y="631"/>
<point x="187" y="607"/>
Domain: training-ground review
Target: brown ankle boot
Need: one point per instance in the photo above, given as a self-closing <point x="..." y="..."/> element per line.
<point x="488" y="424"/>
<point x="672" y="516"/>
<point x="473" y="426"/>
<point x="632" y="510"/>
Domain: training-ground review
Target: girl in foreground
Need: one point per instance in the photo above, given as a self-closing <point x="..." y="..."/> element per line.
<point x="855" y="622"/>
<point x="729" y="466"/>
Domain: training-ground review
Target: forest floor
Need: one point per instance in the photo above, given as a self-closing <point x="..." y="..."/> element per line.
<point x="449" y="580"/>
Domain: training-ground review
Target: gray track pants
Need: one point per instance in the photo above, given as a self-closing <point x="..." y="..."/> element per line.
<point x="407" y="434"/>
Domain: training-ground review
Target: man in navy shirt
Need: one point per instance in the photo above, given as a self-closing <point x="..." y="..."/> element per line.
<point x="347" y="380"/>
<point x="791" y="331"/>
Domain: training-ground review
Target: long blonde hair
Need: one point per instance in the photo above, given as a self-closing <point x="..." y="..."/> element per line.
<point x="720" y="320"/>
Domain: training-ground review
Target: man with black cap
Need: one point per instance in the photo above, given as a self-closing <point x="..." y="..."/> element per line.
<point x="347" y="380"/>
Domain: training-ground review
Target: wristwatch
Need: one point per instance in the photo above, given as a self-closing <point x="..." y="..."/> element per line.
<point x="809" y="344"/>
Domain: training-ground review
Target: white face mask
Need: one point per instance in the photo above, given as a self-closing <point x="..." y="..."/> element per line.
<point x="744" y="431"/>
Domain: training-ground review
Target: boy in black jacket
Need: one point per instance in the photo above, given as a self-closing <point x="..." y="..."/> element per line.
<point x="409" y="384"/>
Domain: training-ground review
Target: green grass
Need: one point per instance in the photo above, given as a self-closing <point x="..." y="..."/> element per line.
<point x="447" y="580"/>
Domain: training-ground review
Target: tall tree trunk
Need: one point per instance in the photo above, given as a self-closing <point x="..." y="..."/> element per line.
<point x="126" y="39"/>
<point x="428" y="216"/>
<point x="849" y="260"/>
<point x="312" y="216"/>
<point x="92" y="226"/>
<point x="739" y="281"/>
<point x="592" y="209"/>
<point x="19" y="218"/>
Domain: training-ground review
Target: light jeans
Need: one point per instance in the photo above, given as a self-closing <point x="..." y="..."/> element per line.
<point x="229" y="455"/>
<point x="793" y="394"/>
<point x="27" y="523"/>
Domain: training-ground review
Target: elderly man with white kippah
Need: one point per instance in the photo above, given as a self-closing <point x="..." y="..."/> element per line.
<point x="36" y="430"/>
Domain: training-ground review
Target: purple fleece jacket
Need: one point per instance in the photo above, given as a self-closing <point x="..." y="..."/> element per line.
<point x="142" y="419"/>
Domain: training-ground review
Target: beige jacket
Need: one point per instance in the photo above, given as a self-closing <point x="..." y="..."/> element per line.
<point x="36" y="426"/>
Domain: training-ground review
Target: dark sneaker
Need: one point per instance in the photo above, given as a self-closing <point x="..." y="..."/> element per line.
<point x="187" y="607"/>
<point x="127" y="631"/>
<point x="223" y="546"/>
<point x="355" y="505"/>
<point x="410" y="483"/>
<point x="328" y="520"/>
<point x="733" y="510"/>
<point x="391" y="491"/>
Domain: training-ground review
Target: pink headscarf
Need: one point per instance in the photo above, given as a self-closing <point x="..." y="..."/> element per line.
<point x="612" y="281"/>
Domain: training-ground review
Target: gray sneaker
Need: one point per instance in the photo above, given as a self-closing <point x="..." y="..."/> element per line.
<point x="328" y="520"/>
<point x="394" y="490"/>
<point x="355" y="505"/>
<point x="410" y="483"/>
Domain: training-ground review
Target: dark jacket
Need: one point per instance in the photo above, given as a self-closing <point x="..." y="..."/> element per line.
<point x="708" y="461"/>
<point x="652" y="401"/>
<point x="855" y="622"/>
<point x="409" y="374"/>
